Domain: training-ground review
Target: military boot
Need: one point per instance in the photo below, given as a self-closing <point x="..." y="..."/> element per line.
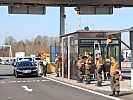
<point x="117" y="94"/>
<point x="113" y="93"/>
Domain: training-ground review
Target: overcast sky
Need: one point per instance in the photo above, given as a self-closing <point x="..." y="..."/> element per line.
<point x="28" y="26"/>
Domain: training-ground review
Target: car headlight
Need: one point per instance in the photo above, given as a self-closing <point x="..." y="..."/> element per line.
<point x="34" y="70"/>
<point x="19" y="70"/>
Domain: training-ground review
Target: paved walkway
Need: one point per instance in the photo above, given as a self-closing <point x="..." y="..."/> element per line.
<point x="125" y="85"/>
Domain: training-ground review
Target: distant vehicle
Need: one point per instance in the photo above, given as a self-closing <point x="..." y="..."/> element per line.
<point x="3" y="62"/>
<point x="25" y="68"/>
<point x="11" y="61"/>
<point x="36" y="60"/>
<point x="7" y="61"/>
<point x="19" y="54"/>
<point x="24" y="59"/>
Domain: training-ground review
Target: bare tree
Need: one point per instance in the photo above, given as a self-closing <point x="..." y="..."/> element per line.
<point x="39" y="44"/>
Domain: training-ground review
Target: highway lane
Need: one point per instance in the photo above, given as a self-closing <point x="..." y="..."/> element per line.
<point x="38" y="88"/>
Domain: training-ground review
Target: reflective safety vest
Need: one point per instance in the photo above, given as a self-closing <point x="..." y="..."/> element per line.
<point x="99" y="62"/>
<point x="113" y="67"/>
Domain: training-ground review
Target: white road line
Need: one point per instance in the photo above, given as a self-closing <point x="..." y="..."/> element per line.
<point x="2" y="82"/>
<point x="94" y="92"/>
<point x="12" y="81"/>
<point x="19" y="81"/>
<point x="27" y="89"/>
<point x="45" y="80"/>
<point x="9" y="97"/>
<point x="38" y="80"/>
<point x="33" y="80"/>
<point x="24" y="81"/>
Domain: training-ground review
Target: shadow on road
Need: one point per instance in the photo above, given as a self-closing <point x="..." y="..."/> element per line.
<point x="2" y="78"/>
<point x="124" y="94"/>
<point x="6" y="75"/>
<point x="106" y="85"/>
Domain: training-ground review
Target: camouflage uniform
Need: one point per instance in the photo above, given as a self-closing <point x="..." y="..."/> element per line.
<point x="115" y="74"/>
<point x="99" y="64"/>
<point x="57" y="65"/>
<point x="80" y="65"/>
<point x="88" y="69"/>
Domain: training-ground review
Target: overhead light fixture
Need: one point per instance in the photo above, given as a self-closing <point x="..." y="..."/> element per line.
<point x="77" y="9"/>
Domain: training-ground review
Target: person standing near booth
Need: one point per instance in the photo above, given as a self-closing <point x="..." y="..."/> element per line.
<point x="99" y="65"/>
<point x="115" y="77"/>
<point x="80" y="65"/>
<point x="88" y="68"/>
<point x="57" y="65"/>
<point x="45" y="63"/>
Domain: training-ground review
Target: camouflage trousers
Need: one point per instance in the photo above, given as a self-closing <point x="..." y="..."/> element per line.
<point x="98" y="77"/>
<point x="115" y="83"/>
<point x="80" y="75"/>
<point x="57" y="69"/>
<point x="88" y="75"/>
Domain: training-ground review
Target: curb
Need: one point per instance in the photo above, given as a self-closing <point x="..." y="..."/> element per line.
<point x="92" y="87"/>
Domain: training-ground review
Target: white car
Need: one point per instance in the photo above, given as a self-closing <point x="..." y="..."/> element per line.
<point x="36" y="60"/>
<point x="3" y="62"/>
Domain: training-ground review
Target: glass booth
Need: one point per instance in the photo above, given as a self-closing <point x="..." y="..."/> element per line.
<point x="89" y="41"/>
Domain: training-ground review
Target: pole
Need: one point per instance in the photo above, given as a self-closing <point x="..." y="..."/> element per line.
<point x="62" y="31"/>
<point x="69" y="42"/>
<point x="62" y="45"/>
<point x="62" y="20"/>
<point x="131" y="44"/>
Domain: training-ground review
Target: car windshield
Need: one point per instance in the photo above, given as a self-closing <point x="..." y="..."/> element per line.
<point x="25" y="63"/>
<point x="37" y="58"/>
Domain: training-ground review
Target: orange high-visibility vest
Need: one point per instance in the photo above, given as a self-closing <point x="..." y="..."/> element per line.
<point x="113" y="67"/>
<point x="99" y="62"/>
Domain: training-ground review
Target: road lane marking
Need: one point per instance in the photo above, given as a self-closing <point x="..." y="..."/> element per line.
<point x="9" y="97"/>
<point x="18" y="81"/>
<point x="2" y="82"/>
<point x="87" y="90"/>
<point x="45" y="80"/>
<point x="23" y="81"/>
<point x="38" y="80"/>
<point x="27" y="89"/>
<point x="12" y="81"/>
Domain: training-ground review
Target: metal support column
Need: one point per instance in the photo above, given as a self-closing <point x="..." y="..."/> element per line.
<point x="62" y="45"/>
<point x="62" y="20"/>
<point x="69" y="51"/>
<point x="62" y="31"/>
<point x="131" y="44"/>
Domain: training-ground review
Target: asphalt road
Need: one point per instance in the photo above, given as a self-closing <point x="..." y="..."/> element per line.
<point x="39" y="88"/>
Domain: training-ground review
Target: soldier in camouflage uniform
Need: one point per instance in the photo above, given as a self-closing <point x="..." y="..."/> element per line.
<point x="80" y="65"/>
<point x="115" y="77"/>
<point x="99" y="64"/>
<point x="57" y="65"/>
<point x="88" y="68"/>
